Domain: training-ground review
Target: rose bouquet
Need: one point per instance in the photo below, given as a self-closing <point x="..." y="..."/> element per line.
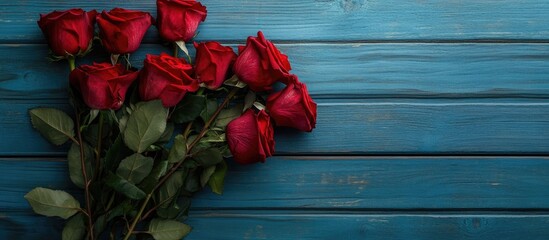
<point x="143" y="141"/>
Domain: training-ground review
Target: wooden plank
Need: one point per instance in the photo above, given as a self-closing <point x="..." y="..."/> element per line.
<point x="338" y="183"/>
<point x="290" y="225"/>
<point x="341" y="70"/>
<point x="331" y="20"/>
<point x="476" y="126"/>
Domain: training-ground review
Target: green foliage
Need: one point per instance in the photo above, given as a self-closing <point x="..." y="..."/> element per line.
<point x="145" y="125"/>
<point x="162" y="229"/>
<point x="206" y="174"/>
<point x="227" y="115"/>
<point x="178" y="151"/>
<point x="51" y="203"/>
<point x="208" y="157"/>
<point x="217" y="179"/>
<point x="135" y="168"/>
<point x="170" y="189"/>
<point x="158" y="171"/>
<point x="54" y="125"/>
<point x="75" y="164"/>
<point x="125" y="187"/>
<point x="209" y="109"/>
<point x="189" y="108"/>
<point x="75" y="228"/>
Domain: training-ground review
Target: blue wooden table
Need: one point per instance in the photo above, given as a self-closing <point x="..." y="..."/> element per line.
<point x="433" y="120"/>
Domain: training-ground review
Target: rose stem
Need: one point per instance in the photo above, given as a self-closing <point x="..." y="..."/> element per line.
<point x="72" y="66"/>
<point x="175" y="49"/>
<point x="85" y="175"/>
<point x="99" y="143"/>
<point x="175" y="167"/>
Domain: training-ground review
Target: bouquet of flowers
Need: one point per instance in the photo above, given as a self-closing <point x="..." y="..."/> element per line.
<point x="143" y="141"/>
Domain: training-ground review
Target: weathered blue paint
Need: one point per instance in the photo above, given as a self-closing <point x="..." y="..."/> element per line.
<point x="426" y="87"/>
<point x="323" y="20"/>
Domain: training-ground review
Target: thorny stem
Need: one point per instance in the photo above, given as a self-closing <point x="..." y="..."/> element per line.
<point x="99" y="143"/>
<point x="176" y="166"/>
<point x="85" y="175"/>
<point x="83" y="163"/>
<point x="138" y="216"/>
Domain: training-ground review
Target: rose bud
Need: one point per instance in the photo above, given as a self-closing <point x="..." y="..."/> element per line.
<point x="260" y="64"/>
<point x="293" y="107"/>
<point x="167" y="78"/>
<point x="68" y="32"/>
<point x="122" y="30"/>
<point x="212" y="63"/>
<point x="251" y="137"/>
<point x="103" y="86"/>
<point x="179" y="19"/>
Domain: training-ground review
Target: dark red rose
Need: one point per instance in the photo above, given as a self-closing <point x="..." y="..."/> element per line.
<point x="122" y="30"/>
<point x="212" y="63"/>
<point x="103" y="86"/>
<point x="68" y="32"/>
<point x="293" y="107"/>
<point x="179" y="19"/>
<point x="167" y="78"/>
<point x="260" y="64"/>
<point x="251" y="137"/>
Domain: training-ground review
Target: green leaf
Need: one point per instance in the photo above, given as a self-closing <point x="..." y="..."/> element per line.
<point x="51" y="203"/>
<point x="75" y="228"/>
<point x="99" y="225"/>
<point x="171" y="188"/>
<point x="145" y="125"/>
<point x="208" y="157"/>
<point x="117" y="151"/>
<point x="235" y="82"/>
<point x="55" y="125"/>
<point x="213" y="137"/>
<point x="123" y="186"/>
<point x="75" y="164"/>
<point x="167" y="135"/>
<point x="192" y="181"/>
<point x="249" y="100"/>
<point x="135" y="168"/>
<point x="189" y="108"/>
<point x="217" y="179"/>
<point x="209" y="109"/>
<point x="206" y="174"/>
<point x="178" y="151"/>
<point x="162" y="229"/>
<point x="158" y="171"/>
<point x="120" y="209"/>
<point x="91" y="116"/>
<point x="227" y="115"/>
<point x="226" y="151"/>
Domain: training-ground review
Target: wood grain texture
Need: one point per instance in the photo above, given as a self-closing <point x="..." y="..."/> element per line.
<point x="338" y="183"/>
<point x="320" y="225"/>
<point x="476" y="126"/>
<point x="322" y="20"/>
<point x="340" y="70"/>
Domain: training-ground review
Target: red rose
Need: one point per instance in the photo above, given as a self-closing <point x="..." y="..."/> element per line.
<point x="179" y="19"/>
<point x="103" y="85"/>
<point x="167" y="78"/>
<point x="212" y="62"/>
<point x="293" y="107"/>
<point x="260" y="64"/>
<point x="68" y="32"/>
<point x="122" y="30"/>
<point x="251" y="137"/>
